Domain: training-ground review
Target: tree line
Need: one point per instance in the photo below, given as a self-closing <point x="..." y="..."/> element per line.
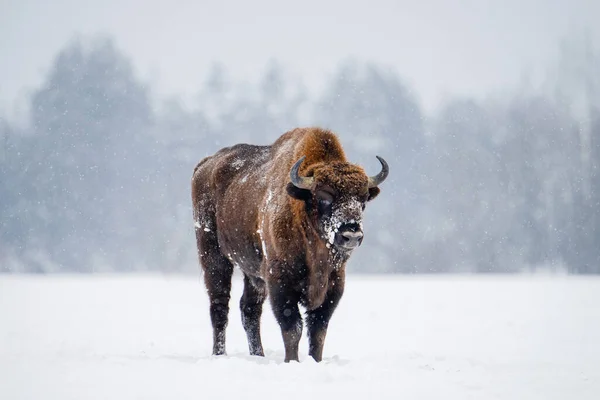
<point x="99" y="179"/>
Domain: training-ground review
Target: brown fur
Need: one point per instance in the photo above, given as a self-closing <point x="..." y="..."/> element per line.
<point x="245" y="216"/>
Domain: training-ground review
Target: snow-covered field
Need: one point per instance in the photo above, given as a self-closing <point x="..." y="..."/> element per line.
<point x="149" y="337"/>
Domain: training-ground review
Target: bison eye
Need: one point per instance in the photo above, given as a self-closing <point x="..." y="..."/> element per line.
<point x="324" y="201"/>
<point x="324" y="206"/>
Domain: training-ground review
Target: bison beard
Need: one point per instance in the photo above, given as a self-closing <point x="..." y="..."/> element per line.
<point x="288" y="215"/>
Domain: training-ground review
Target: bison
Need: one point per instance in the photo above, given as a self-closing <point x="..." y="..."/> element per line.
<point x="289" y="216"/>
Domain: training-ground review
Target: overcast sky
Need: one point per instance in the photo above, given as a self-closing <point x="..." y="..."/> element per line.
<point x="439" y="47"/>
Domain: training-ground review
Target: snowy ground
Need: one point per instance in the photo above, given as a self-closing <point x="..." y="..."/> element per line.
<point x="149" y="337"/>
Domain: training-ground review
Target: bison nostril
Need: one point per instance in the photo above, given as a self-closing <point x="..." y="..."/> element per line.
<point x="351" y="239"/>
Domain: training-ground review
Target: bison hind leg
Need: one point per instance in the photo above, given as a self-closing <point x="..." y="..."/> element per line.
<point x="251" y="306"/>
<point x="218" y="272"/>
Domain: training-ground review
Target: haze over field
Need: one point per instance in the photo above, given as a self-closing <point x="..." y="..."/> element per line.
<point x="488" y="113"/>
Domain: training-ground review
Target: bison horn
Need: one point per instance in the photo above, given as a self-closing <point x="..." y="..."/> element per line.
<point x="380" y="177"/>
<point x="300" y="182"/>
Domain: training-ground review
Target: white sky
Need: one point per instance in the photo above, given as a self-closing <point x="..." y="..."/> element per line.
<point x="439" y="47"/>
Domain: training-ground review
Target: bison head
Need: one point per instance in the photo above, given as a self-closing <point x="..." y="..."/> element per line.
<point x="335" y="195"/>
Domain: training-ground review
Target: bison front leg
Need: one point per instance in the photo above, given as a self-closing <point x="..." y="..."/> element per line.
<point x="284" y="303"/>
<point x="317" y="320"/>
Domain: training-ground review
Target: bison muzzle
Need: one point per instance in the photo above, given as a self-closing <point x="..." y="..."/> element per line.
<point x="289" y="215"/>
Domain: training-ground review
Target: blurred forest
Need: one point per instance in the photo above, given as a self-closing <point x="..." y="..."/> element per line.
<point x="99" y="179"/>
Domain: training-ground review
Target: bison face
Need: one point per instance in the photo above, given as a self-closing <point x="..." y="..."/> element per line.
<point x="339" y="218"/>
<point x="335" y="195"/>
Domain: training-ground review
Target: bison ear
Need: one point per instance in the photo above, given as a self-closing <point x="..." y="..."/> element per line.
<point x="373" y="192"/>
<point x="297" y="193"/>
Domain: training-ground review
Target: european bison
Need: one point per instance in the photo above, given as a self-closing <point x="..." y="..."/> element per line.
<point x="289" y="215"/>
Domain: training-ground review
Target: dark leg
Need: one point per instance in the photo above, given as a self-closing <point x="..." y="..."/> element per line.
<point x="317" y="320"/>
<point x="217" y="277"/>
<point x="285" y="307"/>
<point x="251" y="305"/>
